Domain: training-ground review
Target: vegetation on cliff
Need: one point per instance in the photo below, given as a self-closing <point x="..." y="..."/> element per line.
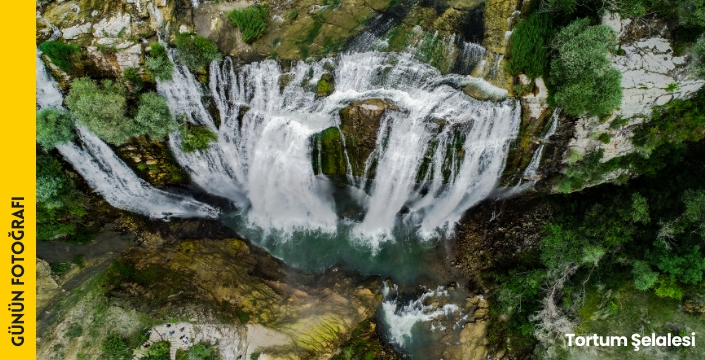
<point x="196" y="138"/>
<point x="158" y="64"/>
<point x="54" y="127"/>
<point x="59" y="53"/>
<point x="103" y="110"/>
<point x="196" y="52"/>
<point x="646" y="236"/>
<point x="251" y="20"/>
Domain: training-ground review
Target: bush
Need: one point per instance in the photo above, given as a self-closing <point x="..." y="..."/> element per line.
<point x="114" y="347"/>
<point x="529" y="51"/>
<point x="154" y="118"/>
<point x="101" y="109"/>
<point x="158" y="351"/>
<point x="698" y="52"/>
<point x="59" y="204"/>
<point x="158" y="64"/>
<point x="251" y="20"/>
<point x="644" y="277"/>
<point x="59" y="53"/>
<point x="202" y="351"/>
<point x="196" y="137"/>
<point x="54" y="127"/>
<point x="582" y="74"/>
<point x="74" y="331"/>
<point x="676" y="122"/>
<point x="196" y="52"/>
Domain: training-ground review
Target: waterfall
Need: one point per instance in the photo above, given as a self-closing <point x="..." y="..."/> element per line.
<point x="532" y="168"/>
<point x="48" y="94"/>
<point x="109" y="175"/>
<point x="262" y="158"/>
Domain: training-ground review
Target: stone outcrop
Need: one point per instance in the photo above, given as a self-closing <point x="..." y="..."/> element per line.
<point x="651" y="75"/>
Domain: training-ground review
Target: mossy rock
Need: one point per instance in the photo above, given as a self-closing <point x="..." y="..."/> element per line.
<point x="325" y="85"/>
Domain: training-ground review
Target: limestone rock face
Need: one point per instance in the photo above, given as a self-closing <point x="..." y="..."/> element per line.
<point x="47" y="287"/>
<point x="114" y="31"/>
<point x="651" y="76"/>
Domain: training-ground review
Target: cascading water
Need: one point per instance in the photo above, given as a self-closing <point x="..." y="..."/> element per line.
<point x="109" y="175"/>
<point x="533" y="167"/>
<point x="262" y="159"/>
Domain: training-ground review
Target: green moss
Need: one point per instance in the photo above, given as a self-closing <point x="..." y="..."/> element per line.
<point x="328" y="147"/>
<point x="324" y="87"/>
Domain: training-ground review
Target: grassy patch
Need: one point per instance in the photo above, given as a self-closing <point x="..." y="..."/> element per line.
<point x="59" y="53"/>
<point x="252" y="21"/>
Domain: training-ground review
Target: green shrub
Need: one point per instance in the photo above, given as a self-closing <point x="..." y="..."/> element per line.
<point x="54" y="127"/>
<point x="529" y="46"/>
<point x="59" y="268"/>
<point x="154" y="118"/>
<point x="101" y="109"/>
<point x="203" y="351"/>
<point x="698" y="52"/>
<point x="74" y="331"/>
<point x="668" y="287"/>
<point x="114" y="347"/>
<point x="131" y="76"/>
<point x="59" y="204"/>
<point x="252" y="21"/>
<point x="676" y="122"/>
<point x="644" y="277"/>
<point x="196" y="52"/>
<point x="59" y="53"/>
<point x="158" y="351"/>
<point x="158" y="64"/>
<point x="196" y="137"/>
<point x="582" y="74"/>
<point x="604" y="138"/>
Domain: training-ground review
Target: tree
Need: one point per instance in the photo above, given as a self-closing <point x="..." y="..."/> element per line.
<point x="154" y="118"/>
<point x="582" y="74"/>
<point x="101" y="109"/>
<point x="196" y="52"/>
<point x="644" y="277"/>
<point x="54" y="127"/>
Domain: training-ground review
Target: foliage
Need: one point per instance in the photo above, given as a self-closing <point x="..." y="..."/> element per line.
<point x="59" y="53"/>
<point x="74" y="331"/>
<point x="59" y="204"/>
<point x="675" y="122"/>
<point x="101" y="109"/>
<point x="154" y="117"/>
<point x="114" y="347"/>
<point x="644" y="277"/>
<point x="196" y="52"/>
<point x="54" y="127"/>
<point x="529" y="46"/>
<point x="59" y="269"/>
<point x="131" y="76"/>
<point x="252" y="21"/>
<point x="203" y="351"/>
<point x="196" y="138"/>
<point x="581" y="73"/>
<point x="668" y="287"/>
<point x="158" y="64"/>
<point x="158" y="351"/>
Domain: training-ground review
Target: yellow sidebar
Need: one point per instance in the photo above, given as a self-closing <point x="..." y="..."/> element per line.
<point x="17" y="184"/>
